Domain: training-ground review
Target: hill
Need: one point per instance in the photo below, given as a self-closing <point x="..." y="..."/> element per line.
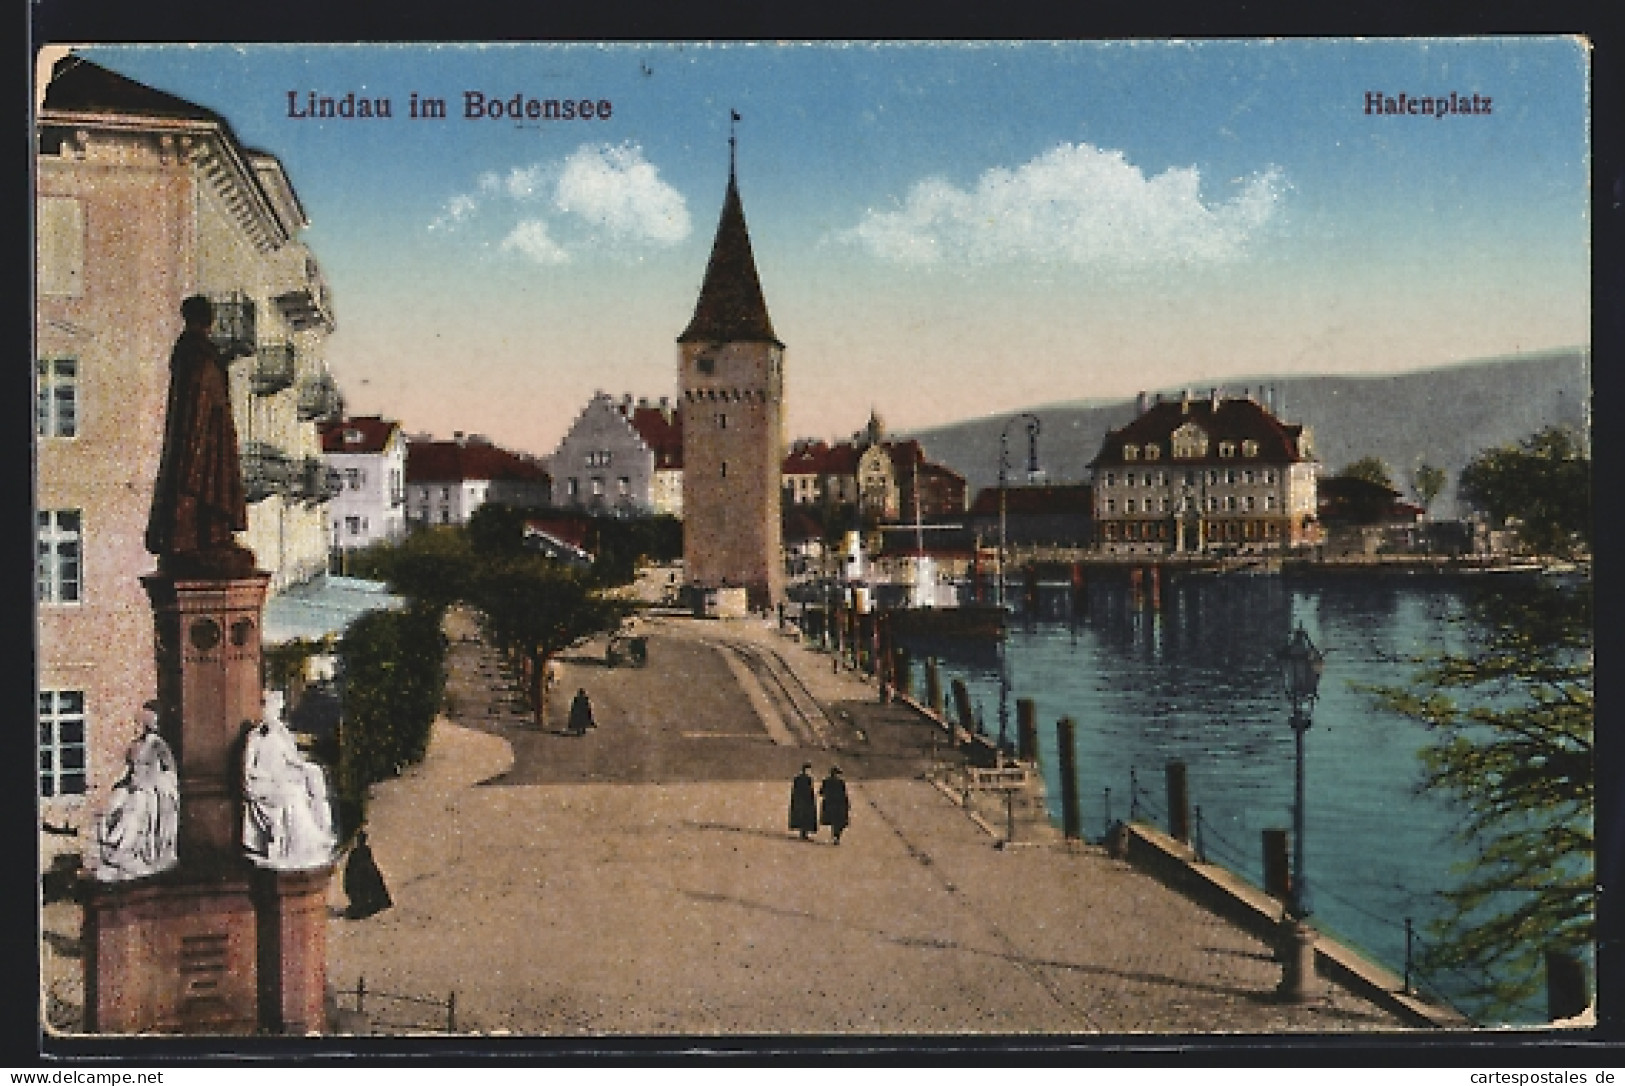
<point x="1442" y="416"/>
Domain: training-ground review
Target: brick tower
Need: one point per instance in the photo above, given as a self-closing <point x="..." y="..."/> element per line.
<point x="731" y="378"/>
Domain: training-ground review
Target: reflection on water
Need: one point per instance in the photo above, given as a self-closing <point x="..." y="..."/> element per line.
<point x="1197" y="680"/>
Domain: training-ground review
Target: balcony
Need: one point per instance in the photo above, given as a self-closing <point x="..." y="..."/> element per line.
<point x="233" y="332"/>
<point x="273" y="368"/>
<point x="312" y="481"/>
<point x="267" y="470"/>
<point x="308" y="304"/>
<point x="319" y="398"/>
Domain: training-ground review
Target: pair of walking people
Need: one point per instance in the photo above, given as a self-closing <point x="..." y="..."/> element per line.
<point x="828" y="806"/>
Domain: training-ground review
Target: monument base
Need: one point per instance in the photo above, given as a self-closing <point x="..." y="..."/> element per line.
<point x="169" y="956"/>
<point x="292" y="909"/>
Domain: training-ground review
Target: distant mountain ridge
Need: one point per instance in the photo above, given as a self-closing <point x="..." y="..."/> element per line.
<point x="1442" y="416"/>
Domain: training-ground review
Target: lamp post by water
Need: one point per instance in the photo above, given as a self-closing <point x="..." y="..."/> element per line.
<point x="998" y="588"/>
<point x="1301" y="665"/>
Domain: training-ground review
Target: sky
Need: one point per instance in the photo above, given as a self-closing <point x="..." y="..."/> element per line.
<point x="943" y="231"/>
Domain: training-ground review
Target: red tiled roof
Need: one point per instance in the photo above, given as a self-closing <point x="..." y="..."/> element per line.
<point x="664" y="436"/>
<point x="1235" y="420"/>
<point x="565" y="527"/>
<point x="452" y="461"/>
<point x="1033" y="500"/>
<point x="821" y="459"/>
<point x="363" y="434"/>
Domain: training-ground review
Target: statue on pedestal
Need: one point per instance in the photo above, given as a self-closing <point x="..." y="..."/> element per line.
<point x="199" y="500"/>
<point x="287" y="813"/>
<point x="136" y="836"/>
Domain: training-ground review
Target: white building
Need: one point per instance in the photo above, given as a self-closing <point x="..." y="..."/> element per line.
<point x="143" y="199"/>
<point x="366" y="463"/>
<point x="447" y="480"/>
<point x="621" y="456"/>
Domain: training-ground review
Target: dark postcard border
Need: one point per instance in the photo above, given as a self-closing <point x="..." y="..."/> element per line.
<point x="54" y="21"/>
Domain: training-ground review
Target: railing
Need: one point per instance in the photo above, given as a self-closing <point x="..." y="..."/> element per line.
<point x="311" y="480"/>
<point x="233" y="331"/>
<point x="1211" y="846"/>
<point x="319" y="398"/>
<point x="273" y="368"/>
<point x="267" y="470"/>
<point x="401" y="1008"/>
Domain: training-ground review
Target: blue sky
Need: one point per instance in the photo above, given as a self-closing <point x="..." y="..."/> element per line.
<point x="943" y="231"/>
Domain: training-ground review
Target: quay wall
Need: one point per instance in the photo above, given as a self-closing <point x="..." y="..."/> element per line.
<point x="1234" y="899"/>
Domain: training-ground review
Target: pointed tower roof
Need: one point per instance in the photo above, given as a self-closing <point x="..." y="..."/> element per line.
<point x="731" y="307"/>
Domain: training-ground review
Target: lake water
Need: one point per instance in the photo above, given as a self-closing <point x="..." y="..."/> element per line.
<point x="1197" y="680"/>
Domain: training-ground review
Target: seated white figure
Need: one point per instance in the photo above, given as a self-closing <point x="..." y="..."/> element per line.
<point x="136" y="835"/>
<point x="287" y="814"/>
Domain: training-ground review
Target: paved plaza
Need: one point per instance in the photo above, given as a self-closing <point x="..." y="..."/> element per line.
<point x="640" y="880"/>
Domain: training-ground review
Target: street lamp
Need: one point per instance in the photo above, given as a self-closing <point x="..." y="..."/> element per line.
<point x="998" y="591"/>
<point x="1301" y="665"/>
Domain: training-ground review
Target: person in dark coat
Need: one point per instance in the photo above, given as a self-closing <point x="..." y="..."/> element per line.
<point x="803" y="803"/>
<point x="835" y="813"/>
<point x="363" y="882"/>
<point x="581" y="713"/>
<point x="199" y="500"/>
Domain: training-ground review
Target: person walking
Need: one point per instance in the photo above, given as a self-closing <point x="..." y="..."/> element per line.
<point x="836" y="811"/>
<point x="803" y="803"/>
<point x="581" y="713"/>
<point x="363" y="882"/>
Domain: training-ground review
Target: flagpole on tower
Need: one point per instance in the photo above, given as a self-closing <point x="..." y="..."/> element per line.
<point x="733" y="139"/>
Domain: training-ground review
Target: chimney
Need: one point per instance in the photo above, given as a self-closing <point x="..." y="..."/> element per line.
<point x="1213" y="398"/>
<point x="1142" y="403"/>
<point x="643" y="402"/>
<point x="1185" y="402"/>
<point x="457" y="436"/>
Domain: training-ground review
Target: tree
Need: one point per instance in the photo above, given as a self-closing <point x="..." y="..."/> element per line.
<point x="1540" y="486"/>
<point x="1370" y="468"/>
<point x="1428" y="482"/>
<point x="1512" y="722"/>
<point x="495" y="529"/>
<point x="535" y="609"/>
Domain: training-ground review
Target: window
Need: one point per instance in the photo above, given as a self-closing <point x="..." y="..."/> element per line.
<point x="1230" y="477"/>
<point x="1153" y="451"/>
<point x="624" y="485"/>
<point x="1128" y="506"/>
<point x="1269" y="477"/>
<point x="597" y="487"/>
<point x="599" y="459"/>
<point x="445" y="493"/>
<point x="1128" y="479"/>
<point x="352" y="478"/>
<point x="1111" y="479"/>
<point x="352" y="525"/>
<point x="1247" y="477"/>
<point x="572" y="487"/>
<point x="1249" y="448"/>
<point x="1131" y="452"/>
<point x="705" y="365"/>
<point x="1227" y="448"/>
<point x="1212" y="478"/>
<point x="1269" y="502"/>
<point x="61" y="743"/>
<point x="1111" y="505"/>
<point x="725" y="469"/>
<point x="58" y="558"/>
<point x="1251" y="503"/>
<point x="57" y="397"/>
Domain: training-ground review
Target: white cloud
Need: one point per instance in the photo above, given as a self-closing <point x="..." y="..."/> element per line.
<point x="1076" y="204"/>
<point x="617" y="190"/>
<point x="548" y="211"/>
<point x="531" y="238"/>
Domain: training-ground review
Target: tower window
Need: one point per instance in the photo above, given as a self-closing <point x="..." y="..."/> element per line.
<point x="705" y="365"/>
<point x="725" y="469"/>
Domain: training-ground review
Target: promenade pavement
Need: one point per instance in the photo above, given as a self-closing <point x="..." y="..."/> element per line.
<point x="640" y="880"/>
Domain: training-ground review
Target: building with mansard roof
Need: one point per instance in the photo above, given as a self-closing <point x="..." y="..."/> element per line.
<point x="1210" y="475"/>
<point x="621" y="456"/>
<point x="141" y="200"/>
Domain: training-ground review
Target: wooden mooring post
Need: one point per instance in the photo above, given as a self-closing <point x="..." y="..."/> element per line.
<point x="1071" y="817"/>
<point x="1026" y="730"/>
<point x="1277" y="875"/>
<point x="1179" y="810"/>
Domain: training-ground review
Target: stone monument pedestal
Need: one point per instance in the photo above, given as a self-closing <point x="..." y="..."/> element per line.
<point x="215" y="944"/>
<point x="168" y="955"/>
